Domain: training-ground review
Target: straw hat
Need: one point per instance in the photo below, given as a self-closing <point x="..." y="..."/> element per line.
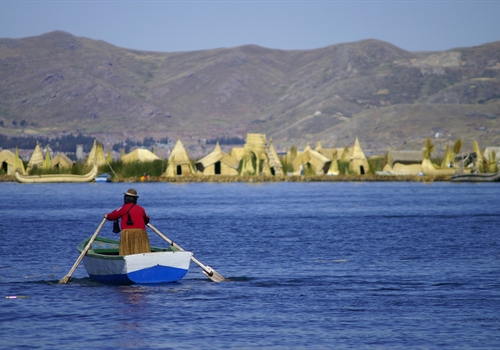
<point x="132" y="193"/>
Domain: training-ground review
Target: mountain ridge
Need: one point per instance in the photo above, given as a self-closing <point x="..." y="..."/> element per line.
<point x="388" y="97"/>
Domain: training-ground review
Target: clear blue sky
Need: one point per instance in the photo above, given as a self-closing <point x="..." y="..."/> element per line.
<point x="188" y="25"/>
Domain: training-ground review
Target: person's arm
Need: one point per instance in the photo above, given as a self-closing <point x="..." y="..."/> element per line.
<point x="115" y="214"/>
<point x="145" y="216"/>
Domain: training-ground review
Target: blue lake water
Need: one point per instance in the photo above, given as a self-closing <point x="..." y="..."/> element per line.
<point x="311" y="266"/>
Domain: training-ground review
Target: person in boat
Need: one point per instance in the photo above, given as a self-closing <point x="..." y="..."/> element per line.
<point x="134" y="238"/>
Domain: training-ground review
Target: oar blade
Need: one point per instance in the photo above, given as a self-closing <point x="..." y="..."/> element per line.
<point x="207" y="270"/>
<point x="64" y="280"/>
<point x="216" y="277"/>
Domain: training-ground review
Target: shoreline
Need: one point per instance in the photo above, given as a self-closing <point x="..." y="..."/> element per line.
<point x="263" y="178"/>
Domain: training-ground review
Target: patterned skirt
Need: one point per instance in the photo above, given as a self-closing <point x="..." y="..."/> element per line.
<point x="134" y="241"/>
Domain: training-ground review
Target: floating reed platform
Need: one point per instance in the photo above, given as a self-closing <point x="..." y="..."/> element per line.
<point x="309" y="178"/>
<point x="263" y="178"/>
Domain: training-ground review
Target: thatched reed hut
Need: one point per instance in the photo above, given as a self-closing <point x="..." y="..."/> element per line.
<point x="10" y="162"/>
<point x="312" y="159"/>
<point x="179" y="163"/>
<point x="217" y="163"/>
<point x="36" y="159"/>
<point x="358" y="162"/>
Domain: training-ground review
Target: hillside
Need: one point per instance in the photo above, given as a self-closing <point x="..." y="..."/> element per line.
<point x="388" y="97"/>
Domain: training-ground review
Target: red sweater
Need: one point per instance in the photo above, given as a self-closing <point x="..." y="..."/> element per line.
<point x="137" y="214"/>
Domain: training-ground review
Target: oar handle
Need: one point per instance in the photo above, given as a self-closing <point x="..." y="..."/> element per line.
<point x="205" y="268"/>
<point x="66" y="278"/>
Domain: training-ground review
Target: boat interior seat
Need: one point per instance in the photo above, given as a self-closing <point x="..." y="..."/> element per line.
<point x="106" y="251"/>
<point x="115" y="251"/>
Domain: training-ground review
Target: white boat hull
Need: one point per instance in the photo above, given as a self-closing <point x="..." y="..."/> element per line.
<point x="155" y="267"/>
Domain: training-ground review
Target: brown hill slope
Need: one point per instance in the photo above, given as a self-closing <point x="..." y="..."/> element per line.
<point x="386" y="96"/>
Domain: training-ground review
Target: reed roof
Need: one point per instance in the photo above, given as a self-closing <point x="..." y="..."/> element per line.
<point x="404" y="157"/>
<point x="96" y="155"/>
<point x="256" y="139"/>
<point x="337" y="152"/>
<point x="47" y="163"/>
<point x="342" y="153"/>
<point x="36" y="158"/>
<point x="218" y="155"/>
<point x="403" y="169"/>
<point x="237" y="153"/>
<point x="316" y="159"/>
<point x="273" y="153"/>
<point x="488" y="150"/>
<point x="140" y="155"/>
<point x="357" y="152"/>
<point x="62" y="160"/>
<point x="255" y="143"/>
<point x="179" y="154"/>
<point x="334" y="167"/>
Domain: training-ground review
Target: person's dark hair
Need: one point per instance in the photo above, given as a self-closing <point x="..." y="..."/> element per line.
<point x="129" y="199"/>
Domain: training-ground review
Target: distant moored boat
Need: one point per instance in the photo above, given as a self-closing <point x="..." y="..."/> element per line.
<point x="488" y="177"/>
<point x="103" y="178"/>
<point x="54" y="178"/>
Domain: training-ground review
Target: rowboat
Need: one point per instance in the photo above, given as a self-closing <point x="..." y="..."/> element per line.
<point x="53" y="178"/>
<point x="104" y="264"/>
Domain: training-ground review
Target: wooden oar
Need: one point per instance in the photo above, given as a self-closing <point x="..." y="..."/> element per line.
<point x="66" y="278"/>
<point x="207" y="270"/>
